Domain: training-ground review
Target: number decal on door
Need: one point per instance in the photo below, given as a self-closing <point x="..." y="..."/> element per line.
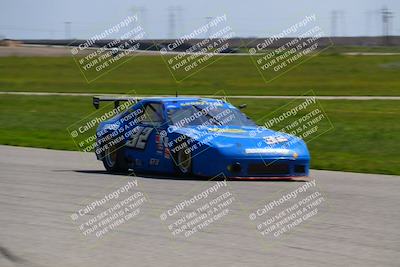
<point x="139" y="137"/>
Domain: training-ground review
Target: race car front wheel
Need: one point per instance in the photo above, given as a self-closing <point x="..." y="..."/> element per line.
<point x="114" y="160"/>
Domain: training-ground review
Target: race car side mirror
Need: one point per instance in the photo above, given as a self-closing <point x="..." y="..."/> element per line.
<point x="242" y="106"/>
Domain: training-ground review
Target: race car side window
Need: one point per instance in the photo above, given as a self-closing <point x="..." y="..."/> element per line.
<point x="134" y="114"/>
<point x="153" y="114"/>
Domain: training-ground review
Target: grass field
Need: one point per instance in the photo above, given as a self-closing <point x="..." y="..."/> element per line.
<point x="364" y="139"/>
<point x="327" y="74"/>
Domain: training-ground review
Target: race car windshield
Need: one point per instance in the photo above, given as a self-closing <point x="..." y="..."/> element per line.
<point x="207" y="115"/>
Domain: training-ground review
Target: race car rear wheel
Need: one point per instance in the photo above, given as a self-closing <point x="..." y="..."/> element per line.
<point x="114" y="160"/>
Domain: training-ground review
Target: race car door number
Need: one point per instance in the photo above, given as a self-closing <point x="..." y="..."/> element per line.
<point x="139" y="137"/>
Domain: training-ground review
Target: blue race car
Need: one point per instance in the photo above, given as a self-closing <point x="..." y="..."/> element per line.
<point x="195" y="137"/>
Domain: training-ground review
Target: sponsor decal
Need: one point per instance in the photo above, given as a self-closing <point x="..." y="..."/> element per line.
<point x="164" y="140"/>
<point x="197" y="103"/>
<point x="271" y="140"/>
<point x="154" y="162"/>
<point x="159" y="144"/>
<point x="167" y="153"/>
<point x="138" y="162"/>
<point x="219" y="130"/>
<point x="274" y="151"/>
<point x="160" y="147"/>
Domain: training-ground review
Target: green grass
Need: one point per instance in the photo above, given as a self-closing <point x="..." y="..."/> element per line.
<point x="364" y="139"/>
<point x="327" y="74"/>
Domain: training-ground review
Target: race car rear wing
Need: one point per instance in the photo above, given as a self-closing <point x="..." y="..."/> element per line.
<point x="115" y="99"/>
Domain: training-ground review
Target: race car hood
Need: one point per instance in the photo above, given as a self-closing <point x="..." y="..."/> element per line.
<point x="247" y="141"/>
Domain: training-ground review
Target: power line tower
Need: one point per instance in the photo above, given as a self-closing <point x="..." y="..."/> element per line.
<point x="143" y="18"/>
<point x="171" y="22"/>
<point x="334" y="19"/>
<point x="342" y="17"/>
<point x="175" y="21"/>
<point x="368" y="17"/>
<point x="67" y="29"/>
<point x="387" y="15"/>
<point x="209" y="19"/>
<point x="181" y="23"/>
<point x="141" y="13"/>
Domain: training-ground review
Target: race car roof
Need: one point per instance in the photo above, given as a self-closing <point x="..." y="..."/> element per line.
<point x="174" y="102"/>
<point x="180" y="99"/>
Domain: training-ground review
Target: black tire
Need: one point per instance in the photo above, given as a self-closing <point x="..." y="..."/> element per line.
<point x="114" y="160"/>
<point x="183" y="160"/>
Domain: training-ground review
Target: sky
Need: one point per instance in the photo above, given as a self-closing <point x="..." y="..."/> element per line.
<point x="46" y="19"/>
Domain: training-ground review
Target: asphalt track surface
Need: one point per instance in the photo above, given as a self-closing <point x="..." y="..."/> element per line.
<point x="40" y="189"/>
